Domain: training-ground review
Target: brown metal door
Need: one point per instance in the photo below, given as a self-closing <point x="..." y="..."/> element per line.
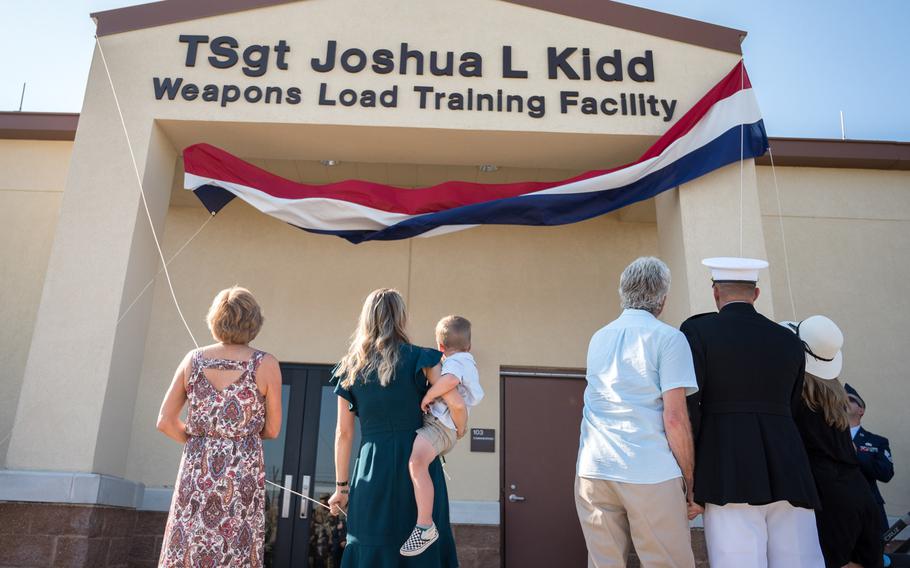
<point x="541" y="421"/>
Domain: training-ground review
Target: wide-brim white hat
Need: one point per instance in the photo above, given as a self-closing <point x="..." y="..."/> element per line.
<point x="822" y="342"/>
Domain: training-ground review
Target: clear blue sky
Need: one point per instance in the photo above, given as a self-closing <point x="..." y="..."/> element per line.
<point x="808" y="59"/>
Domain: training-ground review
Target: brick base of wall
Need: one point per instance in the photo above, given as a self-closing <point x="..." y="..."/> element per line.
<point x="479" y="547"/>
<point x="34" y="535"/>
<point x="39" y="535"/>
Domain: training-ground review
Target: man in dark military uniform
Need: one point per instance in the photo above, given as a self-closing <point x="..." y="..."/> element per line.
<point x="752" y="473"/>
<point x="872" y="451"/>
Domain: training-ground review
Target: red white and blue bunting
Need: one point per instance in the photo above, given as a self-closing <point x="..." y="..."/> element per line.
<point x="723" y="127"/>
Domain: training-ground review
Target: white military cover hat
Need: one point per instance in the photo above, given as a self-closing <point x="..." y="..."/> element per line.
<point x="734" y="269"/>
<point x="822" y="341"/>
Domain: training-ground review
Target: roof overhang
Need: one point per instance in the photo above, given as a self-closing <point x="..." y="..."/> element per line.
<point x="38" y="125"/>
<point x="607" y="12"/>
<point x="827" y="153"/>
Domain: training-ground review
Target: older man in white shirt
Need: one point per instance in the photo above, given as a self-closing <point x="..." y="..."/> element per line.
<point x="635" y="457"/>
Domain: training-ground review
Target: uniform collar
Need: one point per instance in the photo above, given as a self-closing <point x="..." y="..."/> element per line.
<point x="739" y="307"/>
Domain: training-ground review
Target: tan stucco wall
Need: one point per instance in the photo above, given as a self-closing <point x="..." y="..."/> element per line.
<point x="847" y="236"/>
<point x="32" y="175"/>
<point x="534" y="295"/>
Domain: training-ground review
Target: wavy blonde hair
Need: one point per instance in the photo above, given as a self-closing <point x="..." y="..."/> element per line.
<point x="829" y="398"/>
<point x="376" y="341"/>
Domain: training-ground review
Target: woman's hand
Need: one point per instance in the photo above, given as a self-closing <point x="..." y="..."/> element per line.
<point x="338" y="501"/>
<point x="695" y="510"/>
<point x="425" y="403"/>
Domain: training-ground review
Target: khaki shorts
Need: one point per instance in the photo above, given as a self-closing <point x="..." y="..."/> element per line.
<point x="440" y="436"/>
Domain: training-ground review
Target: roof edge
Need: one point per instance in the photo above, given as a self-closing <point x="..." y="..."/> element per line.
<point x="165" y="12"/>
<point x="606" y="12"/>
<point x="38" y="125"/>
<point x="833" y="153"/>
<point x="651" y="22"/>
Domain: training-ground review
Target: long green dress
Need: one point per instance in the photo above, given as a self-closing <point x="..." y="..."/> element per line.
<point x="382" y="511"/>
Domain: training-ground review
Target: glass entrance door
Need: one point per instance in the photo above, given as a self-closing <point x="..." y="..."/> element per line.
<point x="298" y="532"/>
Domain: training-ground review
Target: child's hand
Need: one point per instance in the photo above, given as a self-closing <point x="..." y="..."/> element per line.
<point x="425" y="404"/>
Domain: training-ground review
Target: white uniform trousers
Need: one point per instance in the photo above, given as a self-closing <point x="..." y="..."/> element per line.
<point x="777" y="535"/>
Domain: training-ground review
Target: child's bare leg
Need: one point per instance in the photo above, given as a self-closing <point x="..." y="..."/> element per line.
<point x="419" y="465"/>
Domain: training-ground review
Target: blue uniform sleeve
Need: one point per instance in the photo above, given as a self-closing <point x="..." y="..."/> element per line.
<point x="343" y="392"/>
<point x="875" y="461"/>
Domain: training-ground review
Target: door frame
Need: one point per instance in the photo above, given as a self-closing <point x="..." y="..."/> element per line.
<point x="523" y="373"/>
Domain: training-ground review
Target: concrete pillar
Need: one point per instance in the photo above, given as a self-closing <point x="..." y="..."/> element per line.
<point x="701" y="219"/>
<point x="76" y="404"/>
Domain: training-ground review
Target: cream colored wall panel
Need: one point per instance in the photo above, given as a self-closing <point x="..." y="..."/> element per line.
<point x="341" y="171"/>
<point x="376" y="173"/>
<point x="312" y="172"/>
<point x="27" y="225"/>
<point x="34" y="165"/>
<point x="837" y="193"/>
<point x="403" y="175"/>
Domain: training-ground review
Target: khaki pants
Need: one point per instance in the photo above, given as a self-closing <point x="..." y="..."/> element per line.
<point x="651" y="516"/>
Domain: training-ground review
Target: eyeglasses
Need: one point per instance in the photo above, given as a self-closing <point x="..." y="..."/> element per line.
<point x="856" y="401"/>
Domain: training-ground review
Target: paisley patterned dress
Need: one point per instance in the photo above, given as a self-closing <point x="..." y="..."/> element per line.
<point x="217" y="517"/>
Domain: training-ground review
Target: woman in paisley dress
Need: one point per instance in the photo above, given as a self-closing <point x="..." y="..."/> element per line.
<point x="217" y="517"/>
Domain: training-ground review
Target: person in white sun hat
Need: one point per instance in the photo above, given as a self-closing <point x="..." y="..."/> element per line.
<point x="752" y="473"/>
<point x="848" y="519"/>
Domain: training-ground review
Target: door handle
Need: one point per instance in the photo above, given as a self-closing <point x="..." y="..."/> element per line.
<point x="286" y="496"/>
<point x="305" y="490"/>
<point x="513" y="498"/>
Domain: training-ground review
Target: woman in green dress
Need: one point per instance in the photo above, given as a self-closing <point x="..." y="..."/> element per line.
<point x="382" y="380"/>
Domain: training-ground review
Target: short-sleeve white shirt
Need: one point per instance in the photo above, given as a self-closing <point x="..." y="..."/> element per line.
<point x="463" y="366"/>
<point x="631" y="363"/>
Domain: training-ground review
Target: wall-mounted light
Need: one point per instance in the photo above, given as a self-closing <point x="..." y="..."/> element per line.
<point x="488" y="168"/>
<point x="328" y="163"/>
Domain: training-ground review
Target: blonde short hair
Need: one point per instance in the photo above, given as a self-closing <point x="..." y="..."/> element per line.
<point x="235" y="316"/>
<point x="454" y="332"/>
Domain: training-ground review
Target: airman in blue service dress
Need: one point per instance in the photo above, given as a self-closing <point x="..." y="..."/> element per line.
<point x="382" y="509"/>
<point x="751" y="469"/>
<point x="874" y="455"/>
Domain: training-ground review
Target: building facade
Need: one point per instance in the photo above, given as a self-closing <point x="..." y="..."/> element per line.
<point x="93" y="335"/>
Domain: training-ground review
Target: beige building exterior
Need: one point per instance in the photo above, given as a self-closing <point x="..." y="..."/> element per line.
<point x="92" y="335"/>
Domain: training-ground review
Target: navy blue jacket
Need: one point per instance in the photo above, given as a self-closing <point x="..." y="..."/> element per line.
<point x="874" y="456"/>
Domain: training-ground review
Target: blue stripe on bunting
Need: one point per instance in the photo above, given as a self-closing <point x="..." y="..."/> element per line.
<point x="572" y="208"/>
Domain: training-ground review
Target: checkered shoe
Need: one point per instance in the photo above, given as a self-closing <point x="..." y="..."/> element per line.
<point x="420" y="540"/>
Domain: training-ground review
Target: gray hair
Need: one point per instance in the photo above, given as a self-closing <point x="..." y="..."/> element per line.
<point x="644" y="284"/>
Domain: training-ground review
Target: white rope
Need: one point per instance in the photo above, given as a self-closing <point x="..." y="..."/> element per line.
<point x="169" y="261"/>
<point x="742" y="136"/>
<point x="320" y="503"/>
<point x="142" y="193"/>
<point x="783" y="236"/>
